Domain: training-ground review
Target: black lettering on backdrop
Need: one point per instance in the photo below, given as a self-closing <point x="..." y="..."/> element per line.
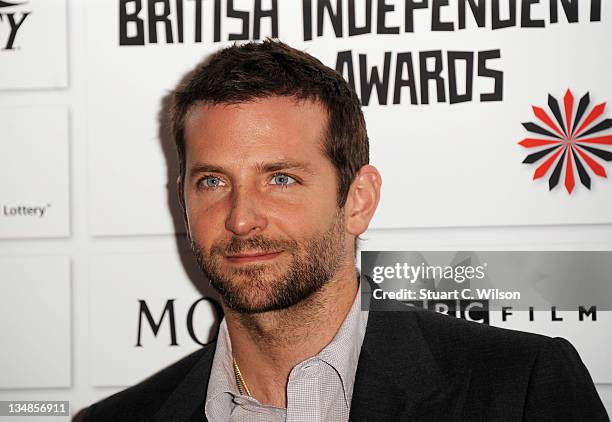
<point x="506" y="310"/>
<point x="383" y="9"/>
<point x="139" y="25"/>
<point x="335" y="17"/>
<point x="163" y="18"/>
<point x="139" y="20"/>
<point x="436" y="23"/>
<point x="431" y="75"/>
<point x="14" y="27"/>
<point x="497" y="22"/>
<point x="367" y="27"/>
<point x="169" y="309"/>
<point x="125" y="19"/>
<point x="595" y="10"/>
<point x="243" y="16"/>
<point x="382" y="86"/>
<point x="345" y="58"/>
<point x="592" y="312"/>
<point x="409" y="8"/>
<point x="261" y="13"/>
<point x="553" y="314"/>
<point x="144" y="309"/>
<point x="404" y="60"/>
<point x="307" y="19"/>
<point x="497" y="75"/>
<point x="478" y="11"/>
<point x="198" y="20"/>
<point x="502" y="14"/>
<point x="217" y="21"/>
<point x="570" y="8"/>
<point x="344" y="66"/>
<point x="526" y="21"/>
<point x="453" y="93"/>
<point x="179" y="19"/>
<point x="435" y="72"/>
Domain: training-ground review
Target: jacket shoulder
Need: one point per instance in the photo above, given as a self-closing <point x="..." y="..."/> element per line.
<point x="141" y="401"/>
<point x="545" y="375"/>
<point x="479" y="341"/>
<point x="497" y="353"/>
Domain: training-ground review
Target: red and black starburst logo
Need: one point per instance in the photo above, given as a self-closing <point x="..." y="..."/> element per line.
<point x="569" y="142"/>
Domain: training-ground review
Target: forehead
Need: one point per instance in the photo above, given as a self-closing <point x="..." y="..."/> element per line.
<point x="266" y="129"/>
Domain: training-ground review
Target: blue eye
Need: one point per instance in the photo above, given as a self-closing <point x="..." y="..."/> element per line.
<point x="282" y="179"/>
<point x="212" y="182"/>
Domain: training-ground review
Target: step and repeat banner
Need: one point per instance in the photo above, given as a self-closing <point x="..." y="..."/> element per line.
<point x="479" y="113"/>
<point x="456" y="97"/>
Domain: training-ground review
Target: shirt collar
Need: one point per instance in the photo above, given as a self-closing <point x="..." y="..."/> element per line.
<point x="342" y="354"/>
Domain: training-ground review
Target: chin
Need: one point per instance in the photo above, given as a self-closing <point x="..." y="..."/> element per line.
<point x="246" y="294"/>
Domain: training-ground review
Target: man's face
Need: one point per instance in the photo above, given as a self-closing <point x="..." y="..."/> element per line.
<point x="261" y="201"/>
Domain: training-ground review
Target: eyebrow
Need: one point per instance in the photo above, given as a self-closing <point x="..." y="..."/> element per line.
<point x="261" y="167"/>
<point x="284" y="165"/>
<point x="204" y="168"/>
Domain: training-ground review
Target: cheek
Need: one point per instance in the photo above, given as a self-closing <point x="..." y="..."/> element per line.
<point x="312" y="205"/>
<point x="205" y="222"/>
<point x="303" y="220"/>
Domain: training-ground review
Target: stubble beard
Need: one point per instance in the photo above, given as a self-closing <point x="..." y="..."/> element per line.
<point x="260" y="288"/>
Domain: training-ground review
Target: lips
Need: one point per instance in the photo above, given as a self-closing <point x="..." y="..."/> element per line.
<point x="249" y="257"/>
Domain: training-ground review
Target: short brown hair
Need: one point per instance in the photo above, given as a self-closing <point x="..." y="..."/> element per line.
<point x="253" y="70"/>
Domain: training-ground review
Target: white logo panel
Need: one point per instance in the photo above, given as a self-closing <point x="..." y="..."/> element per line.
<point x="145" y="313"/>
<point x="35" y="322"/>
<point x="33" y="44"/>
<point x="34" y="172"/>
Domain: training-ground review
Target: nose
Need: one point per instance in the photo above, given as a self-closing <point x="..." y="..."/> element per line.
<point x="246" y="215"/>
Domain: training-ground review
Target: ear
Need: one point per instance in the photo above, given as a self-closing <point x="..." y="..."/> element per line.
<point x="180" y="188"/>
<point x="362" y="199"/>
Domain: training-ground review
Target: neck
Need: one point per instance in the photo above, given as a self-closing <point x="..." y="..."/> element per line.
<point x="268" y="345"/>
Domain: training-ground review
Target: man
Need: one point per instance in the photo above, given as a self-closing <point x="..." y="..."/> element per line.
<point x="276" y="187"/>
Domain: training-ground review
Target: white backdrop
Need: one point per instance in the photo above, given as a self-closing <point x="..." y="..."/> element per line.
<point x="81" y="133"/>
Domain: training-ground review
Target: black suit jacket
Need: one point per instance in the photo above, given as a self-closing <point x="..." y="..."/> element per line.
<point x="414" y="366"/>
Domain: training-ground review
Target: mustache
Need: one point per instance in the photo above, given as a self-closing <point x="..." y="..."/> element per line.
<point x="237" y="245"/>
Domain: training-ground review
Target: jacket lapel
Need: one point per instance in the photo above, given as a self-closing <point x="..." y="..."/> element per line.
<point x="186" y="403"/>
<point x="397" y="376"/>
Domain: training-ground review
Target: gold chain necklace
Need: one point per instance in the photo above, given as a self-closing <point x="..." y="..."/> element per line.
<point x="242" y="386"/>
